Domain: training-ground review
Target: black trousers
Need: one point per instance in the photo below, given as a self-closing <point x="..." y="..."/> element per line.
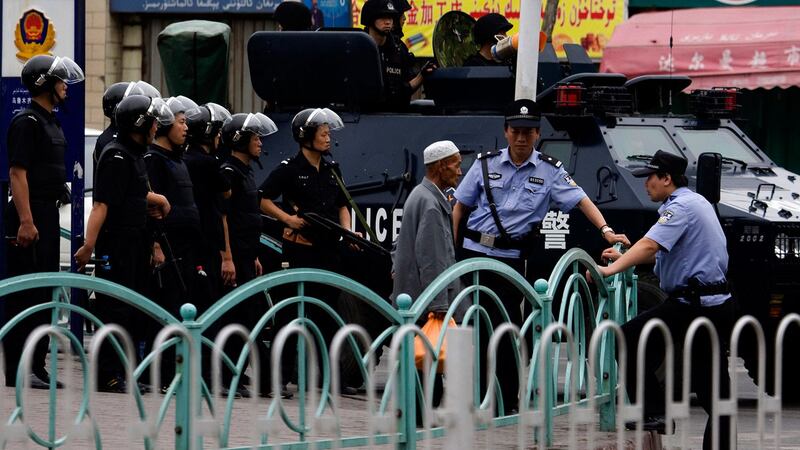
<point x="313" y="257"/>
<point x="40" y="256"/>
<point x="247" y="313"/>
<point x="678" y="316"/>
<point x="511" y="299"/>
<point x="128" y="253"/>
<point x="171" y="291"/>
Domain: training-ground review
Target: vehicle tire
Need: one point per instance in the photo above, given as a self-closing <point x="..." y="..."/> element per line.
<point x="649" y="293"/>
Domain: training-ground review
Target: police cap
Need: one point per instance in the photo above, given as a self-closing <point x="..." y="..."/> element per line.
<point x="663" y="162"/>
<point x="522" y="113"/>
<point x="488" y="26"/>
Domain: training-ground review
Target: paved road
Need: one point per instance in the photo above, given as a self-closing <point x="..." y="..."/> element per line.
<point x="114" y="418"/>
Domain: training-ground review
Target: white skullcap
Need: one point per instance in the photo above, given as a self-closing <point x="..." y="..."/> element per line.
<point x="439" y="151"/>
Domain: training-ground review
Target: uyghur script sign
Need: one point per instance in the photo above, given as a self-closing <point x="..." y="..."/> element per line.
<point x="585" y="22"/>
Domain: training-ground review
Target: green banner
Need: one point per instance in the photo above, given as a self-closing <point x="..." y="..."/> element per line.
<point x="707" y="3"/>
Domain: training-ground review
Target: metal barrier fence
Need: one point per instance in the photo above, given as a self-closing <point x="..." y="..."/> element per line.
<point x="201" y="416"/>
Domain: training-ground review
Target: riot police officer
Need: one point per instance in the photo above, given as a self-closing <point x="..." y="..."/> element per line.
<point x="511" y="191"/>
<point x="36" y="147"/>
<point x="688" y="247"/>
<point x="241" y="135"/>
<point x="400" y="80"/>
<point x="178" y="273"/>
<point x="116" y="230"/>
<point x="208" y="185"/>
<point x="111" y="98"/>
<point x="484" y="34"/>
<point x="307" y="183"/>
<point x="178" y="233"/>
<point x="293" y="16"/>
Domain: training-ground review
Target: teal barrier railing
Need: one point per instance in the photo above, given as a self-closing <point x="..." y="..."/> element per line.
<point x="203" y="414"/>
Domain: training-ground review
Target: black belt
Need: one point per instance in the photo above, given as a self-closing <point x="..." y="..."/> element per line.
<point x="498" y="242"/>
<point x="695" y="290"/>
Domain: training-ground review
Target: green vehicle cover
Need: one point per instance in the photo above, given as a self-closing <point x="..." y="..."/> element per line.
<point x="194" y="55"/>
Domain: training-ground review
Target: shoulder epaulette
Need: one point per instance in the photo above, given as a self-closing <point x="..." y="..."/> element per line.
<point x="285" y="162"/>
<point x="490" y="154"/>
<point x="550" y="160"/>
<point x="119" y="155"/>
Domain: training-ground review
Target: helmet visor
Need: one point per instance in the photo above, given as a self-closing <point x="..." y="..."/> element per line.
<point x="324" y="116"/>
<point x="176" y="105"/>
<point x="218" y="113"/>
<point x="160" y="110"/>
<point x="65" y="70"/>
<point x="259" y="124"/>
<point x="187" y="102"/>
<point x="142" y="88"/>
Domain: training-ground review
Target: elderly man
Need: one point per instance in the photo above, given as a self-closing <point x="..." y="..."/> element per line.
<point x="425" y="244"/>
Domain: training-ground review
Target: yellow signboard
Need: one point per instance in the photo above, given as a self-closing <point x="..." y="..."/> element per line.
<point x="585" y="22"/>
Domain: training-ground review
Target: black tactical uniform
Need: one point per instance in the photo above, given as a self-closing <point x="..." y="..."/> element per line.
<point x="36" y="144"/>
<point x="306" y="190"/>
<point x="178" y="233"/>
<point x="123" y="241"/>
<point x="208" y="185"/>
<point x="244" y="232"/>
<point x="397" y="66"/>
<point x="244" y="217"/>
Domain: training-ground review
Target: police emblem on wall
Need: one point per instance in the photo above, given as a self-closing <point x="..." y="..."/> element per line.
<point x="35" y="35"/>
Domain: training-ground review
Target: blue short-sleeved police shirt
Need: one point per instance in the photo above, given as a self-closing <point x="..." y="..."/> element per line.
<point x="692" y="244"/>
<point x="522" y="195"/>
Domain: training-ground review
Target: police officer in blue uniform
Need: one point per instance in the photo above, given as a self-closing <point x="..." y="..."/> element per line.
<point x="36" y="147"/>
<point x="116" y="230"/>
<point x="688" y="247"/>
<point x="511" y="191"/>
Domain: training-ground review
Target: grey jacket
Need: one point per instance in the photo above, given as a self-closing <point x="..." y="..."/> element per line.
<point x="424" y="248"/>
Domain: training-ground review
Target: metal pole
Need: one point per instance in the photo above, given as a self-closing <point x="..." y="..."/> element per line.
<point x="460" y="423"/>
<point x="528" y="55"/>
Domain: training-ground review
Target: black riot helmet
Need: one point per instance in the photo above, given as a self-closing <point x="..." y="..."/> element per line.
<point x="306" y="122"/>
<point x="488" y="26"/>
<point x="375" y="9"/>
<point x="142" y="88"/>
<point x="293" y="16"/>
<point x="237" y="130"/>
<point x="136" y="113"/>
<point x="176" y="107"/>
<point x="205" y="122"/>
<point x="39" y="74"/>
<point x="112" y="96"/>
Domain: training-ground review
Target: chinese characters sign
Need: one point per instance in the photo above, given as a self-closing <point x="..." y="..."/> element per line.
<point x="586" y="22"/>
<point x="555" y="230"/>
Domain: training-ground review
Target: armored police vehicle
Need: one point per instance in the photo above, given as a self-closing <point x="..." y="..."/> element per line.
<point x="601" y="126"/>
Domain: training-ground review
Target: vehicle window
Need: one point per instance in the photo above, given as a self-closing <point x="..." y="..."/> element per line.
<point x="635" y="146"/>
<point x="721" y="140"/>
<point x="88" y="150"/>
<point x="560" y="150"/>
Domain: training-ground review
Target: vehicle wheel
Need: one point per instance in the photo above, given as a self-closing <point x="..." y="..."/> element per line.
<point x="649" y="294"/>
